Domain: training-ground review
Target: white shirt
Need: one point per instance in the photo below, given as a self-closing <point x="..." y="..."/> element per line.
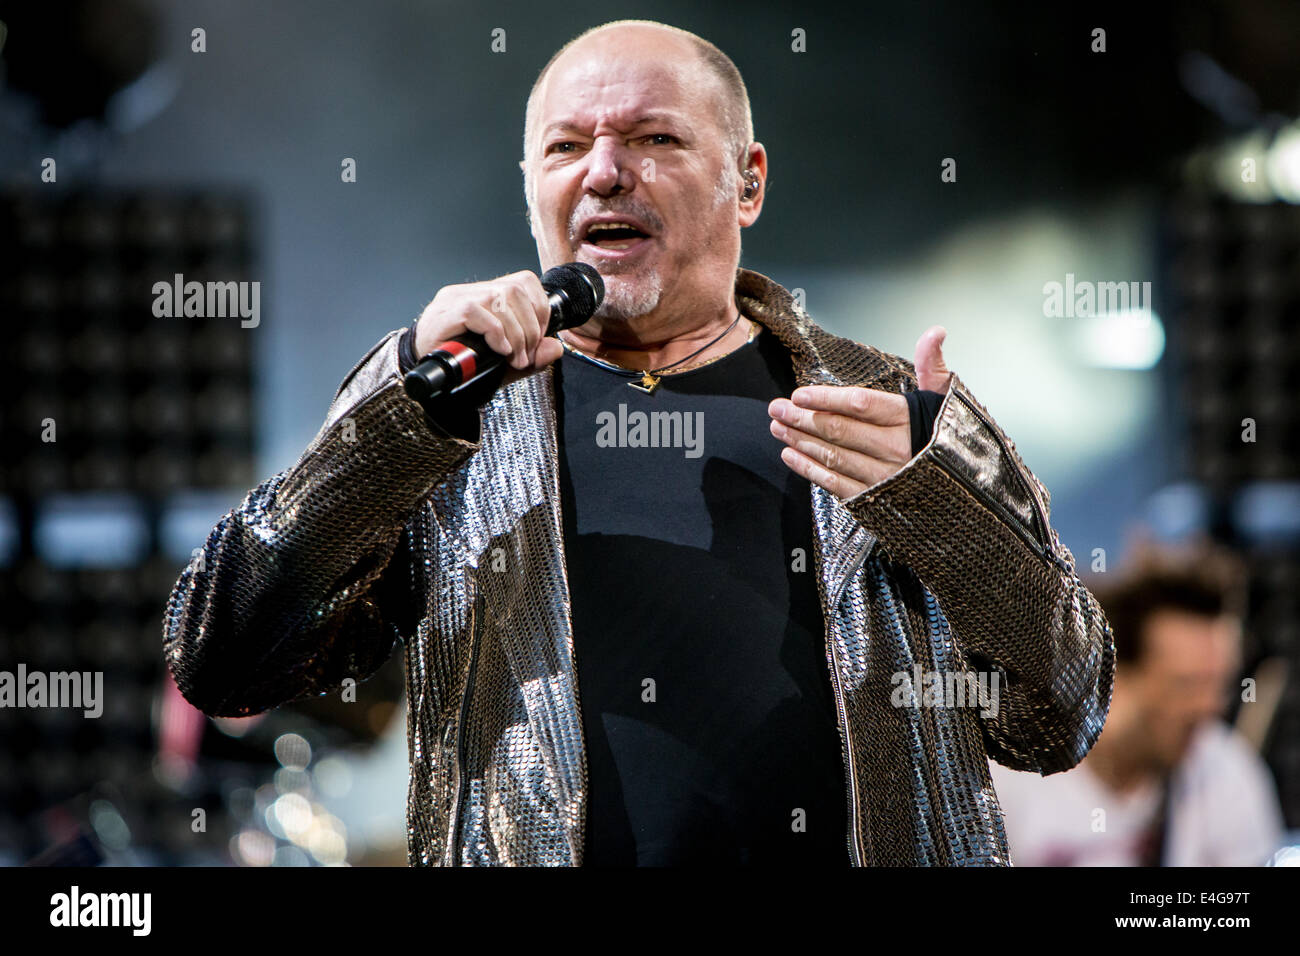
<point x="1223" y="811"/>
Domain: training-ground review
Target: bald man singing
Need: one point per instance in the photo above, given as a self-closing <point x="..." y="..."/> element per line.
<point x="700" y="583"/>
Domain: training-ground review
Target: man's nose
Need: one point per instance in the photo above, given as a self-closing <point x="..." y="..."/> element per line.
<point x="609" y="168"/>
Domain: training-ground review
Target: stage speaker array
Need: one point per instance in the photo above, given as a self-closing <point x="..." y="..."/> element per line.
<point x="110" y="411"/>
<point x="1232" y="311"/>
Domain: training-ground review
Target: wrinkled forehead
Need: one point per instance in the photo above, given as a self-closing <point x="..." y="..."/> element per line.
<point x="621" y="84"/>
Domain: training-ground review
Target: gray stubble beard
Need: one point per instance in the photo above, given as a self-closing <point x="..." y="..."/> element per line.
<point x="623" y="301"/>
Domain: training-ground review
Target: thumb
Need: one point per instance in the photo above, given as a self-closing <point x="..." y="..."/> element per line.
<point x="931" y="372"/>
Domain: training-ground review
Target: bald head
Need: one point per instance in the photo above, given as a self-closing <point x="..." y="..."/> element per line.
<point x="694" y="55"/>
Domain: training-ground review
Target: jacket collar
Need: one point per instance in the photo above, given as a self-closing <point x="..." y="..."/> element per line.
<point x="819" y="357"/>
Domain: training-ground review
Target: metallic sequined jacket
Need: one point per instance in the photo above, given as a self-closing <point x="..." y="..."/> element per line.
<point x="387" y="530"/>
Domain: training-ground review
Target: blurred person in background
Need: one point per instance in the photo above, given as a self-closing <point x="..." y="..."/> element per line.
<point x="1168" y="783"/>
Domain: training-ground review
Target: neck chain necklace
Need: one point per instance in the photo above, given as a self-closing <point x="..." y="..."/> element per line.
<point x="648" y="379"/>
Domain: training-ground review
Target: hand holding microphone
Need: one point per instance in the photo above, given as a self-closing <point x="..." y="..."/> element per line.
<point x="478" y="330"/>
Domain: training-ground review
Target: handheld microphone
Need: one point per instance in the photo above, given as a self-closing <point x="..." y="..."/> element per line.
<point x="575" y="291"/>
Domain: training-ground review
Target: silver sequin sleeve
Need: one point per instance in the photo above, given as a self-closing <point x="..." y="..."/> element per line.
<point x="302" y="585"/>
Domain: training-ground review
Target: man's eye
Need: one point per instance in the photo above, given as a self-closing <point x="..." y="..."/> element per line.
<point x="665" y="137"/>
<point x="559" y="147"/>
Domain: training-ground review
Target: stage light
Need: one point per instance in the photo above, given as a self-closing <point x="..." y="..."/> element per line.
<point x="1131" y="339"/>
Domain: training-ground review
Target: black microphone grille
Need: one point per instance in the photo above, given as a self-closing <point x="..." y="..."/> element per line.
<point x="581" y="285"/>
<point x="593" y="277"/>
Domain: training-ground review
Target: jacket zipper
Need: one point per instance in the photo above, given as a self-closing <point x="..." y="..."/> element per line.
<point x="1040" y="512"/>
<point x="461" y="773"/>
<point x="855" y="848"/>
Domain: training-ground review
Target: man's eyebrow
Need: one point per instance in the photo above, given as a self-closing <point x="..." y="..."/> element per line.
<point x="568" y="126"/>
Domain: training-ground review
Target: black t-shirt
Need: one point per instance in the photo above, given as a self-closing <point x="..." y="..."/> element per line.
<point x="706" y="698"/>
<point x="699" y="638"/>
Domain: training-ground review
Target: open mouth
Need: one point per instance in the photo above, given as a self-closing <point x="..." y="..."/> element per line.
<point x="614" y="236"/>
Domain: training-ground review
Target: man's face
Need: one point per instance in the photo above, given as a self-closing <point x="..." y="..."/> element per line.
<point x="1182" y="679"/>
<point x="627" y="132"/>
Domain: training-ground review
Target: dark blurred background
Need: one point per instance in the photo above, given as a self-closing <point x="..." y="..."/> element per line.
<point x="1122" y="165"/>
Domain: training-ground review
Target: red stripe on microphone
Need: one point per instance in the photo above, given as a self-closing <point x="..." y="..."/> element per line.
<point x="464" y="358"/>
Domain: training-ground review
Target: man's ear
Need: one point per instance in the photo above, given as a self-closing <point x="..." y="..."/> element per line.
<point x="755" y="160"/>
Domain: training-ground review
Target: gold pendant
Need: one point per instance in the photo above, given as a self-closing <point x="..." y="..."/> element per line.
<point x="647" y="384"/>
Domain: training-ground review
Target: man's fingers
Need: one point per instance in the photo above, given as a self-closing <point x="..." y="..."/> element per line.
<point x="511" y="312"/>
<point x="548" y="350"/>
<point x="510" y="304"/>
<point x="864" y="404"/>
<point x="931" y="372"/>
<point x="846" y="463"/>
<point x="838" y="485"/>
<point x="525" y="311"/>
<point x="538" y="303"/>
<point x="502" y="335"/>
<point x="888" y="442"/>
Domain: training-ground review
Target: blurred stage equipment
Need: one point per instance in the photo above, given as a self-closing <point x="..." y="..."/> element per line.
<point x="110" y="416"/>
<point x="1232" y="272"/>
